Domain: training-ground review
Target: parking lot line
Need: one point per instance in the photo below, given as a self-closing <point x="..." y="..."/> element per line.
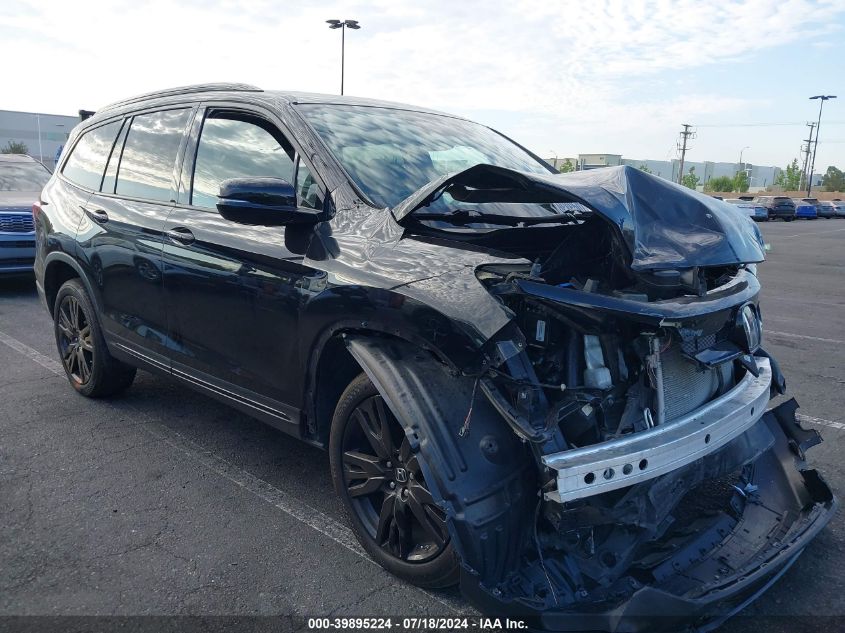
<point x="293" y="507"/>
<point x="804" y="336"/>
<point x="820" y="421"/>
<point x="802" y="234"/>
<point x="33" y="355"/>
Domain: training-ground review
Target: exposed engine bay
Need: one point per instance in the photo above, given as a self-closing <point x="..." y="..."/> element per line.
<point x="649" y="421"/>
<point x="643" y="484"/>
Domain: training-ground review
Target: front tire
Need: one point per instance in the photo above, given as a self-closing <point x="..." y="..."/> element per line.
<point x="379" y="481"/>
<point x="89" y="367"/>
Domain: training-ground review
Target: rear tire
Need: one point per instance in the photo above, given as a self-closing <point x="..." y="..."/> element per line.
<point x="89" y="367"/>
<point x="379" y="481"/>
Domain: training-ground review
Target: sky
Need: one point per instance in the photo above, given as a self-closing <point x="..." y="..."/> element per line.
<point x="560" y="77"/>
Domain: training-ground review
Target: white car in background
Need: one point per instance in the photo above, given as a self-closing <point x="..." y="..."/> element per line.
<point x="756" y="212"/>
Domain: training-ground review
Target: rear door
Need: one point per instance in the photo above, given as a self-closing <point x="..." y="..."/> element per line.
<point x="122" y="234"/>
<point x="233" y="291"/>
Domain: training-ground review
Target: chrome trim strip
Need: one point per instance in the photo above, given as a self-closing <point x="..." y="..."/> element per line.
<point x="234" y="397"/>
<point x="147" y="359"/>
<point x="592" y="470"/>
<point x="203" y="384"/>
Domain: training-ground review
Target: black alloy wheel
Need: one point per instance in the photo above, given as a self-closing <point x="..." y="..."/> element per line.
<point x="381" y="483"/>
<point x="76" y="343"/>
<point x="387" y="489"/>
<point x="90" y="369"/>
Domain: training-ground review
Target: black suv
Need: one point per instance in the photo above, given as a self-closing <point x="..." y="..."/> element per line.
<point x="549" y="387"/>
<point x="777" y="207"/>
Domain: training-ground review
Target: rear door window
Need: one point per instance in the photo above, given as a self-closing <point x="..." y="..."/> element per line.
<point x="238" y="145"/>
<point x="149" y="155"/>
<point x="110" y="177"/>
<point x="87" y="161"/>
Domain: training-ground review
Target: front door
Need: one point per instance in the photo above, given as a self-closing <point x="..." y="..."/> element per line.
<point x="233" y="292"/>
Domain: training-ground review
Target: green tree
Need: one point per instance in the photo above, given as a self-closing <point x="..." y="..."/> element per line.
<point x="790" y="178"/>
<point x="567" y="166"/>
<point x="720" y="183"/>
<point x="644" y="168"/>
<point x="15" y="147"/>
<point x="834" y="179"/>
<point x="690" y="180"/>
<point x="741" y="182"/>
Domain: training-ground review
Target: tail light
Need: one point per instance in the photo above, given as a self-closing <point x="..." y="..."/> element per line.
<point x="36" y="210"/>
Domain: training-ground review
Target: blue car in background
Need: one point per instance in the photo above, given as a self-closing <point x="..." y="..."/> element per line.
<point x="806" y="210"/>
<point x="21" y="180"/>
<point x="756" y="212"/>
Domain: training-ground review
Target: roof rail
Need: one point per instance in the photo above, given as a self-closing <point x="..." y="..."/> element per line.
<point x="168" y="92"/>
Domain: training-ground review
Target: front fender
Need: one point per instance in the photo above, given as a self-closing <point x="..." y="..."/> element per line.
<point x="485" y="479"/>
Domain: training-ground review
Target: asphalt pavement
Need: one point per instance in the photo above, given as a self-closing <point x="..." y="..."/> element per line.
<point x="164" y="502"/>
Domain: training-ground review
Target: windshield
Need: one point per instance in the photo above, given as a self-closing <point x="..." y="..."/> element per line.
<point x="23" y="176"/>
<point x="389" y="153"/>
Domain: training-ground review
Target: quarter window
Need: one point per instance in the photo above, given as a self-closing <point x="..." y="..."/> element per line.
<point x="85" y="165"/>
<point x="237" y="146"/>
<point x="307" y="190"/>
<point x="149" y="155"/>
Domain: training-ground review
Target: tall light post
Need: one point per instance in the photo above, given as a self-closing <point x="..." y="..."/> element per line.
<point x="822" y="98"/>
<point x="740" y="155"/>
<point x="343" y="25"/>
<point x="40" y="152"/>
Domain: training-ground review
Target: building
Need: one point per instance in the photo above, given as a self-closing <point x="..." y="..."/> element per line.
<point x="594" y="161"/>
<point x="759" y="176"/>
<point x="43" y="134"/>
<point x="559" y="161"/>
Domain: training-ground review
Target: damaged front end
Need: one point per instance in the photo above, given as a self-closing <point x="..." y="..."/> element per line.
<point x="660" y="492"/>
<point x="670" y="496"/>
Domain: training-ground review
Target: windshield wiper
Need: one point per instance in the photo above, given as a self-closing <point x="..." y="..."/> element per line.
<point x="463" y="217"/>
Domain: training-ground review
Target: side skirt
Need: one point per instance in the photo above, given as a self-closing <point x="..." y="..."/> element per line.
<point x="274" y="413"/>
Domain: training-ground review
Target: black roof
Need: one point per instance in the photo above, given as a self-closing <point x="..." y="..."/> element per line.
<point x="290" y="97"/>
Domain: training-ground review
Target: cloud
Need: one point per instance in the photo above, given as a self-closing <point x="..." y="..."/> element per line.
<point x="569" y="64"/>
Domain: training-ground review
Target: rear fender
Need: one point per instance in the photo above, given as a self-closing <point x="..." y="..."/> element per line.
<point x="485" y="480"/>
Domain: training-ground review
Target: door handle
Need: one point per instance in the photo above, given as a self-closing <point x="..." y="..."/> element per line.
<point x="98" y="215"/>
<point x="181" y="234"/>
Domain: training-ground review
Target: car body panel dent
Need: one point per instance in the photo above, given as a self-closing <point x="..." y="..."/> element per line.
<point x="664" y="224"/>
<point x="364" y="247"/>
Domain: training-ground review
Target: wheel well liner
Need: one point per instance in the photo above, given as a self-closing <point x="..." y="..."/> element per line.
<point x="484" y="480"/>
<point x="56" y="272"/>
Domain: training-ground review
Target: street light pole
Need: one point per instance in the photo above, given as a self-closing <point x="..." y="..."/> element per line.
<point x="822" y="98"/>
<point x="740" y="156"/>
<point x="342" y="25"/>
<point x="40" y="151"/>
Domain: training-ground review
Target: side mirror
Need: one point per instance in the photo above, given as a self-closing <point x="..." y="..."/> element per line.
<point x="263" y="202"/>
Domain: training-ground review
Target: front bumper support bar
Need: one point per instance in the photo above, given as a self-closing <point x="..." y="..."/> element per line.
<point x="599" y="468"/>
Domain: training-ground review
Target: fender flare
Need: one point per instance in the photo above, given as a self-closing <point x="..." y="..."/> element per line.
<point x="61" y="256"/>
<point x="484" y="481"/>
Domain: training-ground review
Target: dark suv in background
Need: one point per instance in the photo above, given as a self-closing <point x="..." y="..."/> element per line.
<point x="21" y="180"/>
<point x="548" y="387"/>
<point x="778" y="207"/>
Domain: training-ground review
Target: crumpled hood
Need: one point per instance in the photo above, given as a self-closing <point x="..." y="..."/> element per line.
<point x="664" y="224"/>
